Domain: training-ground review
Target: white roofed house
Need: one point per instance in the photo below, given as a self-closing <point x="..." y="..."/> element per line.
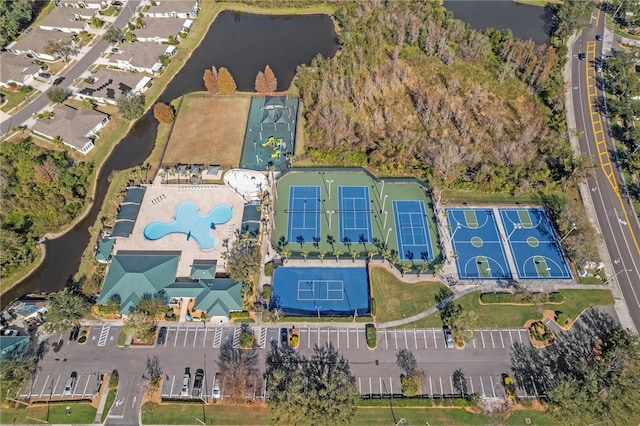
<point x="141" y="57"/>
<point x="84" y="4"/>
<point x="110" y="84"/>
<point x="160" y="30"/>
<point x="34" y="42"/>
<point x="173" y="9"/>
<point x="17" y="70"/>
<point x="63" y="19"/>
<point x="75" y="128"/>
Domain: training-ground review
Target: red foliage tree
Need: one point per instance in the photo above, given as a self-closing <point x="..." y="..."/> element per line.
<point x="261" y="84"/>
<point x="210" y="78"/>
<point x="272" y="81"/>
<point x="163" y="113"/>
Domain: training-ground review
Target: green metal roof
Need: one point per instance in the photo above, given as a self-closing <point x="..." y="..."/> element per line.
<point x="10" y="345"/>
<point x="184" y="289"/>
<point x="104" y="249"/>
<point x="203" y="269"/>
<point x="219" y="297"/>
<point x="132" y="275"/>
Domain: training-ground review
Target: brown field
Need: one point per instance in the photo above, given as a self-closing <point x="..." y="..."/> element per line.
<point x="208" y="130"/>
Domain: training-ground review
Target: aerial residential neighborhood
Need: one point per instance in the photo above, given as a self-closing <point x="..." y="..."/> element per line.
<point x="319" y="213"/>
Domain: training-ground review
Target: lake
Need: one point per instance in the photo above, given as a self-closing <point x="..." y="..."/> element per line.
<point x="244" y="43"/>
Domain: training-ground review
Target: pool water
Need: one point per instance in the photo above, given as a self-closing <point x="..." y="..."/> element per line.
<point x="190" y="222"/>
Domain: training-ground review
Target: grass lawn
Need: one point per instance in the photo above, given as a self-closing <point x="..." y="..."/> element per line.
<point x="395" y="299"/>
<point x="216" y="414"/>
<point x="111" y="396"/>
<point x="515" y="316"/>
<point x="15" y="98"/>
<point x="208" y="129"/>
<point x="81" y="413"/>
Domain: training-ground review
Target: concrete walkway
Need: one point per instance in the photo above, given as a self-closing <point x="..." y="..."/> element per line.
<point x="103" y="400"/>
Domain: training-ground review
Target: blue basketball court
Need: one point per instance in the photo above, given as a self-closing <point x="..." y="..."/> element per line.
<point x="534" y="245"/>
<point x="355" y="214"/>
<point x="476" y="240"/>
<point x="321" y="291"/>
<point x="304" y="213"/>
<point x="412" y="230"/>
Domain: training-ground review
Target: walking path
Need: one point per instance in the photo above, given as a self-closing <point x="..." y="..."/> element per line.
<point x="103" y="399"/>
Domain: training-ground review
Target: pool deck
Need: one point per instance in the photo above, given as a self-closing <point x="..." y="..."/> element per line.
<point x="206" y="197"/>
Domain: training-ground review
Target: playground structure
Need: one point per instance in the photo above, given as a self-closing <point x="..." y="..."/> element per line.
<point x="278" y="145"/>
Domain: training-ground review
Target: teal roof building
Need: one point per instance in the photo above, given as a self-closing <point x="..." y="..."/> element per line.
<point x="12" y="345"/>
<point x="217" y="297"/>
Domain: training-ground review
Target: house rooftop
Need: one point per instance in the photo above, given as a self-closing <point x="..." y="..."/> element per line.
<point x="167" y="6"/>
<point x="112" y="84"/>
<point x="72" y="125"/>
<point x="141" y="55"/>
<point x="160" y="27"/>
<point x="38" y="38"/>
<point x="63" y="17"/>
<point x="14" y="67"/>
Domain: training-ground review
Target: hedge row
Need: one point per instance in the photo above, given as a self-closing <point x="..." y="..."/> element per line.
<point x="239" y="315"/>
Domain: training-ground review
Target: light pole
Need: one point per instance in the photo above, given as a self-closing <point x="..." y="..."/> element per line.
<point x="382" y="190"/>
<point x="573" y="228"/>
<point x="383" y="203"/>
<point x="329" y="181"/>
<point x="516" y="226"/>
<point x="318" y="309"/>
<point x="453" y="234"/>
<point x="387" y="239"/>
<point x="330" y="213"/>
<point x="618" y="273"/>
<point x="386" y="215"/>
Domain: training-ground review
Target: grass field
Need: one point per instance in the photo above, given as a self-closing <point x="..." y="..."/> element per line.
<point x="15" y="98"/>
<point x="174" y="413"/>
<point x="80" y="413"/>
<point x="208" y="130"/>
<point x="515" y="316"/>
<point x="396" y="299"/>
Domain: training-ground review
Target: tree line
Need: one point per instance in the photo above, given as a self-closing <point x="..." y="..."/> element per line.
<point x="40" y="190"/>
<point x="222" y="82"/>
<point x="15" y="16"/>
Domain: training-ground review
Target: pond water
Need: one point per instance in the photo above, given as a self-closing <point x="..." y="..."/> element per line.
<point x="244" y="43"/>
<point x="524" y="21"/>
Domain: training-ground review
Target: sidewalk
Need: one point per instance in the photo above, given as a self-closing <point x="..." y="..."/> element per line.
<point x="103" y="399"/>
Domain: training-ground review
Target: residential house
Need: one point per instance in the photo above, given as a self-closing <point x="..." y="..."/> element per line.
<point x="33" y="43"/>
<point x="11" y="346"/>
<point x="17" y="70"/>
<point x="161" y="30"/>
<point x="84" y="4"/>
<point x="110" y="84"/>
<point x="173" y="9"/>
<point x="74" y="127"/>
<point x="141" y="57"/>
<point x="63" y="19"/>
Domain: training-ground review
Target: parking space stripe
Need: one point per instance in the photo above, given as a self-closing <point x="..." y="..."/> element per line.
<point x="204" y="338"/>
<point x="493" y="389"/>
<point x="380" y="381"/>
<point x="390" y="385"/>
<point x="44" y="386"/>
<point x="482" y="335"/>
<point x="471" y="383"/>
<point x="451" y="383"/>
<point x="175" y="341"/>
<point x="415" y="338"/>
<point x="318" y="337"/>
<point x="430" y="387"/>
<point x="348" y="333"/>
<point x="510" y="337"/>
<point x="56" y="385"/>
<point x="482" y="386"/>
<point x="173" y="379"/>
<point x="309" y="341"/>
<point x="370" y="388"/>
<point x="441" y="388"/>
<point x="424" y="335"/>
<point x="84" y="392"/>
<point x="186" y="333"/>
<point x="406" y="344"/>
<point x="395" y="336"/>
<point x="359" y="385"/>
<point x="358" y="338"/>
<point x="195" y="337"/>
<point x="501" y="339"/>
<point x="434" y="338"/>
<point x="338" y="339"/>
<point x="492" y="342"/>
<point x="386" y="343"/>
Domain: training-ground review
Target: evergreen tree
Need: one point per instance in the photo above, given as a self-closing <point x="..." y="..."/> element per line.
<point x="226" y="83"/>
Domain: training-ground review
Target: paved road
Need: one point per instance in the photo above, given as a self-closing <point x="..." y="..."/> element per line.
<point x="615" y="215"/>
<point x="81" y="66"/>
<point x="196" y="346"/>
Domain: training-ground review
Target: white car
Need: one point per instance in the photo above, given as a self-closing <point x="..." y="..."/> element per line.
<point x="70" y="386"/>
<point x="186" y="380"/>
<point x="215" y="393"/>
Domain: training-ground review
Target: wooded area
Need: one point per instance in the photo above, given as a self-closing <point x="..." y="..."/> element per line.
<point x="415" y="91"/>
<point x="40" y="190"/>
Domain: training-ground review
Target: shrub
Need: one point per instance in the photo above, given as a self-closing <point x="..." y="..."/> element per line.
<point x="82" y="339"/>
<point x="372" y="336"/>
<point x="556" y="297"/>
<point x="409" y="386"/>
<point x="497" y="298"/>
<point x="266" y="292"/>
<point x="373" y="306"/>
<point x="25" y="89"/>
<point x="113" y="379"/>
<point x="239" y="315"/>
<point x="268" y="269"/>
<point x="562" y="318"/>
<point x="246" y="339"/>
<point x="56" y="95"/>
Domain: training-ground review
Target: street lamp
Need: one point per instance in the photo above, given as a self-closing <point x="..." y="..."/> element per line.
<point x="387" y="239"/>
<point x="618" y="273"/>
<point x="386" y="214"/>
<point x="329" y="181"/>
<point x="453" y="234"/>
<point x="573" y="228"/>
<point x="516" y="226"/>
<point x="383" y="203"/>
<point x="330" y="212"/>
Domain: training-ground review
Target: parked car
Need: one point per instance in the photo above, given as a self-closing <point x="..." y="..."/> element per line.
<point x="598" y="65"/>
<point x="70" y="386"/>
<point x="58" y="81"/>
<point x="162" y="336"/>
<point x="44" y="75"/>
<point x="448" y="337"/>
<point x="98" y="385"/>
<point x="599" y="37"/>
<point x="116" y="3"/>
<point x="197" y="382"/>
<point x="186" y="381"/>
<point x="284" y="337"/>
<point x="509" y="387"/>
<point x="215" y="392"/>
<point x="74" y="333"/>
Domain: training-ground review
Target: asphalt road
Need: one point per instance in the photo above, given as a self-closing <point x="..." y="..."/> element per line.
<point x="615" y="215"/>
<point x="80" y="67"/>
<point x="195" y="346"/>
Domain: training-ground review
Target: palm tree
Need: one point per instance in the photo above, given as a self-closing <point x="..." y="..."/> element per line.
<point x="304" y="254"/>
<point x="372" y="252"/>
<point x="285" y="253"/>
<point x="405" y="268"/>
<point x="354" y="255"/>
<point x="321" y="254"/>
<point x="394" y="259"/>
<point x="337" y="253"/>
<point x="330" y="240"/>
<point x="422" y="268"/>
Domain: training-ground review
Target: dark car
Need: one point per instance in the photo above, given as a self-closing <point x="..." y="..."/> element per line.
<point x="599" y="37"/>
<point x="74" y="333"/>
<point x="162" y="335"/>
<point x="116" y="3"/>
<point x="582" y="56"/>
<point x="58" y="81"/>
<point x="197" y="382"/>
<point x="44" y="75"/>
<point x="284" y="337"/>
<point x="448" y="337"/>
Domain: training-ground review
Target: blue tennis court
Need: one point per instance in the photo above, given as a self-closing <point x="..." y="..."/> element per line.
<point x="304" y="213"/>
<point x="412" y="230"/>
<point x="476" y="240"/>
<point x="355" y="214"/>
<point x="534" y="245"/>
<point x="321" y="291"/>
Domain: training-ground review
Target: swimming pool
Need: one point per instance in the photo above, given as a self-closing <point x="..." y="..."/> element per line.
<point x="188" y="221"/>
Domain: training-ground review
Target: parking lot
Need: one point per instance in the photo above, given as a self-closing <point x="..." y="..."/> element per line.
<point x="196" y="346"/>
